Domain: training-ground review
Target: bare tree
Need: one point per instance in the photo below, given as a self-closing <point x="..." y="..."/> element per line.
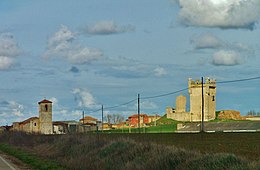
<point x="108" y="118"/>
<point x="117" y="118"/>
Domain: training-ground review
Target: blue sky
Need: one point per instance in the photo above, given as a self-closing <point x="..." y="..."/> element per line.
<point x="84" y="54"/>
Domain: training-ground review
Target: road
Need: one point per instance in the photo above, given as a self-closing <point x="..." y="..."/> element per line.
<point x="5" y="164"/>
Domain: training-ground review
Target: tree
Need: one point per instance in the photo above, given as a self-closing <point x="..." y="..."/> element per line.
<point x="108" y="118"/>
<point x="117" y="118"/>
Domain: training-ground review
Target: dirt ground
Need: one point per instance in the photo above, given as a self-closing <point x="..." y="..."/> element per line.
<point x="16" y="163"/>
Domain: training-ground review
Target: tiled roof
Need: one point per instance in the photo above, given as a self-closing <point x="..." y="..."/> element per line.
<point x="89" y="118"/>
<point x="28" y="120"/>
<point x="44" y="101"/>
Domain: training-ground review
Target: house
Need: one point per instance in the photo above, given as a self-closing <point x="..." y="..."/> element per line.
<point x="119" y="125"/>
<point x="88" y="120"/>
<point x="30" y="125"/>
<point x="64" y="127"/>
<point x="107" y="126"/>
<point x="90" y="123"/>
<point x="133" y="120"/>
<point x="153" y="118"/>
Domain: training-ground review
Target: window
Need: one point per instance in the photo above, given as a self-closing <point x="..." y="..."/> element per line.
<point x="213" y="98"/>
<point x="46" y="107"/>
<point x="34" y="124"/>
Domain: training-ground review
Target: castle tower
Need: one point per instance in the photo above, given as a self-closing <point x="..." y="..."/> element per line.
<point x="209" y="93"/>
<point x="181" y="104"/>
<point x="45" y="117"/>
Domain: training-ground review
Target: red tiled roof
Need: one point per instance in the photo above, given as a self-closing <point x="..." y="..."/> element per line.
<point x="89" y="118"/>
<point x="28" y="120"/>
<point x="44" y="101"/>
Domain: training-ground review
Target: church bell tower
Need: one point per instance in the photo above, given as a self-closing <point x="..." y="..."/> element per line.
<point x="45" y="117"/>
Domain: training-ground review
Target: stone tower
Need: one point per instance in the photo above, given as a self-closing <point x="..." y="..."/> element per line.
<point x="181" y="104"/>
<point x="209" y="93"/>
<point x="45" y="117"/>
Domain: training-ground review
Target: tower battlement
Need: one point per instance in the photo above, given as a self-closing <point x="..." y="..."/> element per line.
<point x="198" y="82"/>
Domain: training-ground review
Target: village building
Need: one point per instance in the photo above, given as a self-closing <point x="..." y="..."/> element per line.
<point x="90" y="124"/>
<point x="42" y="125"/>
<point x="144" y="120"/>
<point x="195" y="94"/>
<point x="134" y="121"/>
<point x="64" y="127"/>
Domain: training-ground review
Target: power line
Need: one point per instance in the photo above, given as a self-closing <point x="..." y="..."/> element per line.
<point x="238" y="80"/>
<point x="166" y="94"/>
<point x="123" y="104"/>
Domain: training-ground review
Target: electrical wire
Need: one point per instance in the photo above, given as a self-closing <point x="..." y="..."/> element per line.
<point x="167" y="94"/>
<point x="112" y="107"/>
<point x="162" y="95"/>
<point x="239" y="80"/>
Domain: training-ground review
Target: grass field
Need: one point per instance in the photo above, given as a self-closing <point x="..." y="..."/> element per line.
<point x="136" y="151"/>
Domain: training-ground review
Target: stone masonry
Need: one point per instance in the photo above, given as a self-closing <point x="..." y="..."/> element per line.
<point x="195" y="94"/>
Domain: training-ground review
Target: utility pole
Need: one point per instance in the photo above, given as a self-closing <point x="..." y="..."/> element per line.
<point x="83" y="117"/>
<point x="202" y="106"/>
<point x="102" y="118"/>
<point x="138" y="111"/>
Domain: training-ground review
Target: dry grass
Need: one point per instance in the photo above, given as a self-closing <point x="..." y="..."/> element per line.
<point x="99" y="151"/>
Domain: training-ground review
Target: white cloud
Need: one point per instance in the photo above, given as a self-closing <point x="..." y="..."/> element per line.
<point x="107" y="27"/>
<point x="76" y="113"/>
<point x="226" y="58"/>
<point x="86" y="99"/>
<point x="62" y="45"/>
<point x="5" y="62"/>
<point x="206" y="40"/>
<point x="220" y="13"/>
<point x="159" y="72"/>
<point x="8" y="50"/>
<point x="12" y="109"/>
<point x="122" y="67"/>
<point x="54" y="100"/>
<point x="8" y="45"/>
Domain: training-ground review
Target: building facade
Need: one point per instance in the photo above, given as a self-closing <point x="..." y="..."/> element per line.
<point x="195" y="95"/>
<point x="41" y="124"/>
<point x="45" y="117"/>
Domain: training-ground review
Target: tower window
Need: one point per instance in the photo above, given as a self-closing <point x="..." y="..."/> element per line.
<point x="46" y="107"/>
<point x="213" y="98"/>
<point x="34" y="124"/>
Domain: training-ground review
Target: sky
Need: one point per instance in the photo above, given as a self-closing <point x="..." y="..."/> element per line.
<point x="85" y="54"/>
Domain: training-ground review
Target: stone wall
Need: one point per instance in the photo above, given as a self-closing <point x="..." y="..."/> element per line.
<point x="45" y="118"/>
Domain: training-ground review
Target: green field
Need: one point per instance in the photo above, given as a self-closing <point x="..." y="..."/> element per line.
<point x="138" y="151"/>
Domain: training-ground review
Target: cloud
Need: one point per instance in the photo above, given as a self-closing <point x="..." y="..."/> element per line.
<point x="225" y="53"/>
<point x="84" y="98"/>
<point x="159" y="72"/>
<point x="122" y="67"/>
<point x="77" y="113"/>
<point x="148" y="105"/>
<point x="62" y="44"/>
<point x="9" y="49"/>
<point x="107" y="27"/>
<point x="6" y="62"/>
<point x="226" y="58"/>
<point x="219" y="13"/>
<point x="207" y="40"/>
<point x="11" y="109"/>
<point x="74" y="69"/>
<point x="54" y="100"/>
